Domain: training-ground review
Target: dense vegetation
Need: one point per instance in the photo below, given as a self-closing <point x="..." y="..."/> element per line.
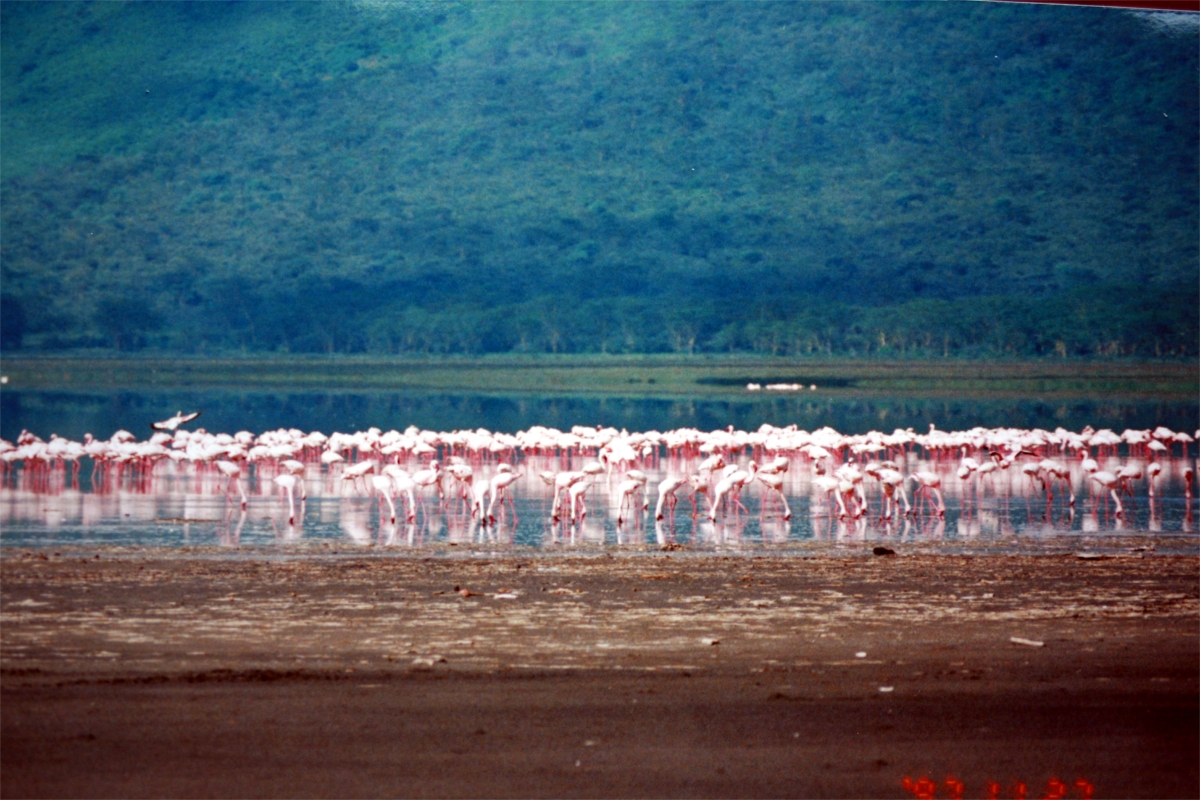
<point x="919" y="179"/>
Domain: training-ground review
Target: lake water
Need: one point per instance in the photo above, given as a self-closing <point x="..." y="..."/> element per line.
<point x="72" y="414"/>
<point x="185" y="506"/>
<point x="191" y="510"/>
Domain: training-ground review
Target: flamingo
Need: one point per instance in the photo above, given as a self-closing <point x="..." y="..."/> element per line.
<point x="627" y="488"/>
<point x="1110" y="481"/>
<point x="1057" y="471"/>
<point x="642" y="479"/>
<point x="383" y="485"/>
<point x="431" y="476"/>
<point x="499" y="487"/>
<point x="404" y="486"/>
<point x="297" y="468"/>
<point x="359" y="470"/>
<point x="666" y="495"/>
<point x="464" y="476"/>
<point x="479" y="493"/>
<point x="1153" y="470"/>
<point x="828" y="485"/>
<point x="563" y="482"/>
<point x="846" y="492"/>
<point x="577" y="491"/>
<point x="1189" y="478"/>
<point x="727" y="486"/>
<point x="233" y="474"/>
<point x="287" y="482"/>
<point x="1128" y="473"/>
<point x="700" y="484"/>
<point x="892" y="481"/>
<point x="774" y="481"/>
<point x="930" y="482"/>
<point x="174" y="422"/>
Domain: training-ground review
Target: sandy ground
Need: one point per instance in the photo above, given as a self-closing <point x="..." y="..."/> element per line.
<point x="665" y="675"/>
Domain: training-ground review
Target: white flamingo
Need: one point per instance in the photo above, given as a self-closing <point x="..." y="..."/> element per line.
<point x="383" y="486"/>
<point x="233" y="475"/>
<point x="774" y="482"/>
<point x="666" y="495"/>
<point x="499" y="488"/>
<point x="1111" y="482"/>
<point x="287" y="482"/>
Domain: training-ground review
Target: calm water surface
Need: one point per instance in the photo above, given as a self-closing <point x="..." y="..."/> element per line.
<point x="186" y="506"/>
<point x="72" y="414"/>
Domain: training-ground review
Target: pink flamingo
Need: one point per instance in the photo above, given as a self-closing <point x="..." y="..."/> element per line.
<point x="930" y="482"/>
<point x="1111" y="482"/>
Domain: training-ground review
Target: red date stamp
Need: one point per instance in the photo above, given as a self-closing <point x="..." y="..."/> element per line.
<point x="925" y="788"/>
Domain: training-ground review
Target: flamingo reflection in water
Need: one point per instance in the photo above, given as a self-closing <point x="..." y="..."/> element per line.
<point x="228" y="534"/>
<point x="720" y="465"/>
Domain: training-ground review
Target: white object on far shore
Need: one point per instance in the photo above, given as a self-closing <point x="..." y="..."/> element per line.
<point x="1027" y="642"/>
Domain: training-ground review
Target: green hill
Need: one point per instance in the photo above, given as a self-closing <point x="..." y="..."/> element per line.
<point x="785" y="178"/>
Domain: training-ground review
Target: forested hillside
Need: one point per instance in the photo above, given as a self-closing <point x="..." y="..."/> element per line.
<point x="787" y="178"/>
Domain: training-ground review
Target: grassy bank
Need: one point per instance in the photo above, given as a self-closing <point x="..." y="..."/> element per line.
<point x="648" y="375"/>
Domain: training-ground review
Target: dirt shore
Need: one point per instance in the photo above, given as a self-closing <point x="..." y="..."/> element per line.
<point x="657" y="676"/>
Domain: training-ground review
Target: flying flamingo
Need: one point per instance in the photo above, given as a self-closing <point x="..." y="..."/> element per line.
<point x="174" y="422"/>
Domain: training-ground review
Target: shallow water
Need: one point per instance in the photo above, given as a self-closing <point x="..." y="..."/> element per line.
<point x="72" y="414"/>
<point x="182" y="508"/>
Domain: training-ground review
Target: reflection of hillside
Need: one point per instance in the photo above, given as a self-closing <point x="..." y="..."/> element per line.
<point x="74" y="415"/>
<point x="779" y="178"/>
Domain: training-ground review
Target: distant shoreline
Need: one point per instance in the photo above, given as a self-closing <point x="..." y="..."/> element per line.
<point x="645" y="375"/>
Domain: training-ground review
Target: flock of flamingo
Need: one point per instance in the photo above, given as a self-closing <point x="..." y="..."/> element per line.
<point x="474" y="473"/>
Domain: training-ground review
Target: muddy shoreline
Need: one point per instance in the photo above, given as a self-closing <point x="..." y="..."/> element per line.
<point x="598" y="676"/>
